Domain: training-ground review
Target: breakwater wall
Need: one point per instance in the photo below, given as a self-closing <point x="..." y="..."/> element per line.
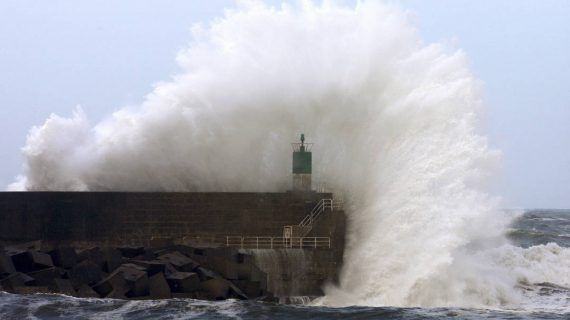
<point x="134" y="218"/>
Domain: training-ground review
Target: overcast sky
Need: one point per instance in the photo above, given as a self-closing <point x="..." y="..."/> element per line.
<point x="104" y="55"/>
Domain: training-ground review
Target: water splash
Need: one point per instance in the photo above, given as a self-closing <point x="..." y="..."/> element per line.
<point x="396" y="126"/>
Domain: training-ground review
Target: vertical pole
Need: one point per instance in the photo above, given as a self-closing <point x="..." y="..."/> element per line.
<point x="242" y="242"/>
<point x="257" y="242"/>
<point x="315" y="242"/>
<point x="271" y="241"/>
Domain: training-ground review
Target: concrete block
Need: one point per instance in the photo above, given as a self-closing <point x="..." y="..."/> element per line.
<point x="16" y="279"/>
<point x="179" y="261"/>
<point x="112" y="259"/>
<point x="6" y="264"/>
<point x="41" y="260"/>
<point x="63" y="286"/>
<point x="252" y="289"/>
<point x="93" y="254"/>
<point x="85" y="272"/>
<point x="158" y="287"/>
<point x="217" y="289"/>
<point x="206" y="274"/>
<point x="22" y="260"/>
<point x="126" y="281"/>
<point x="137" y="280"/>
<point x="114" y="285"/>
<point x="85" y="291"/>
<point x="151" y="267"/>
<point x="183" y="281"/>
<point x="64" y="257"/>
<point x="46" y="277"/>
<point x="226" y="267"/>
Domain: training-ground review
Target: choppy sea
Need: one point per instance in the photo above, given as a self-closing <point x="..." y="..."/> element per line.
<point x="535" y="227"/>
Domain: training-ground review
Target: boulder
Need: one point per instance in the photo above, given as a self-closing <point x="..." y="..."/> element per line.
<point x="21" y="259"/>
<point x="179" y="261"/>
<point x="112" y="286"/>
<point x="252" y="289"/>
<point x="112" y="259"/>
<point x="151" y="267"/>
<point x="85" y="291"/>
<point x="63" y="286"/>
<point x="226" y="267"/>
<point x="31" y="260"/>
<point x="183" y="281"/>
<point x="217" y="289"/>
<point x="64" y="257"/>
<point x="128" y="280"/>
<point x="85" y="272"/>
<point x="47" y="276"/>
<point x="94" y="254"/>
<point x="158" y="287"/>
<point x="16" y="279"/>
<point x="41" y="260"/>
<point x="6" y="264"/>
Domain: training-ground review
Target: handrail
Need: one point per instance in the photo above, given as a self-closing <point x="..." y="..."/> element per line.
<point x="306" y="225"/>
<point x="278" y="242"/>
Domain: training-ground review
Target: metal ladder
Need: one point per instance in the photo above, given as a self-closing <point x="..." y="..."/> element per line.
<point x="306" y="225"/>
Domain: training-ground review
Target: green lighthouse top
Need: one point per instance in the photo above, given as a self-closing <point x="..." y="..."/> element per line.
<point x="302" y="157"/>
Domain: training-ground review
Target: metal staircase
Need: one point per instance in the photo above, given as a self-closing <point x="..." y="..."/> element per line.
<point x="306" y="225"/>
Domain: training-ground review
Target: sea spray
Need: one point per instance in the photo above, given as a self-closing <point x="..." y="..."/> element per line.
<point x="395" y="123"/>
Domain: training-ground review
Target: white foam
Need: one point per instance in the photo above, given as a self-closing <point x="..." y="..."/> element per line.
<point x="396" y="126"/>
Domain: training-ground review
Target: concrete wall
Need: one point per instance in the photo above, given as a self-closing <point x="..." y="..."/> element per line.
<point x="104" y="215"/>
<point x="119" y="216"/>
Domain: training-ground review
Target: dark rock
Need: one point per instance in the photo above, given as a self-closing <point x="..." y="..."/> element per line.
<point x="46" y="277"/>
<point x="93" y="254"/>
<point x="183" y="281"/>
<point x="136" y="279"/>
<point x="151" y="267"/>
<point x="85" y="272"/>
<point x="112" y="259"/>
<point x="6" y="264"/>
<point x="252" y="289"/>
<point x="113" y="283"/>
<point x="127" y="281"/>
<point x="85" y="291"/>
<point x="63" y="286"/>
<point x="226" y="267"/>
<point x="64" y="257"/>
<point x="16" y="279"/>
<point x="179" y="261"/>
<point x="217" y="289"/>
<point x="22" y="260"/>
<point x="207" y="274"/>
<point x="41" y="260"/>
<point x="158" y="287"/>
<point x="131" y="252"/>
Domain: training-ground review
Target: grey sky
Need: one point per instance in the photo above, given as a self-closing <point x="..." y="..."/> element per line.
<point x="104" y="55"/>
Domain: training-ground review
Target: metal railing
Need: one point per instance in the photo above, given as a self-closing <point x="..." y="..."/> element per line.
<point x="278" y="242"/>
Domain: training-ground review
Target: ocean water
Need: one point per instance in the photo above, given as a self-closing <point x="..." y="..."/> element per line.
<point x="533" y="228"/>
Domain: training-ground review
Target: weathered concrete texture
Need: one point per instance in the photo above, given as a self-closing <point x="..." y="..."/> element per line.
<point x="292" y="272"/>
<point x="89" y="216"/>
<point x="98" y="220"/>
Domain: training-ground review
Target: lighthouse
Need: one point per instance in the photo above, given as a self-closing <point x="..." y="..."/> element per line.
<point x="302" y="165"/>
